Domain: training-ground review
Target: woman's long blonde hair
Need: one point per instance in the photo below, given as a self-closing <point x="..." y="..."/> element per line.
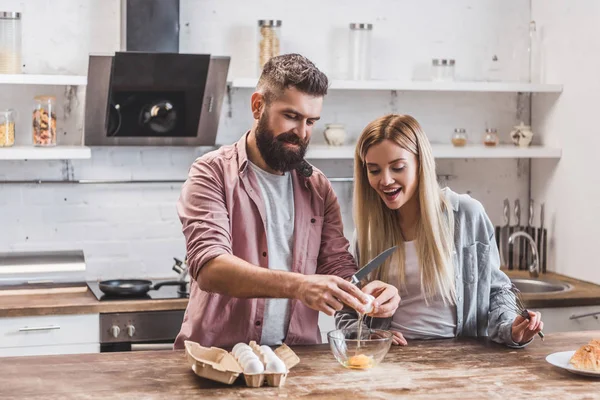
<point x="378" y="227"/>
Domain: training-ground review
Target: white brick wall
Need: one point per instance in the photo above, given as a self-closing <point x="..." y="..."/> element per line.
<point x="133" y="230"/>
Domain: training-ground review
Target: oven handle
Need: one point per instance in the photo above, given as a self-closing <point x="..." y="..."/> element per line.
<point x="151" y="346"/>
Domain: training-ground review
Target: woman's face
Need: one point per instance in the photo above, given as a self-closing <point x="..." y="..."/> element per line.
<point x="392" y="172"/>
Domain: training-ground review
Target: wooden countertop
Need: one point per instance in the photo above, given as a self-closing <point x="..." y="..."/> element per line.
<point x="581" y="294"/>
<point x="79" y="303"/>
<point x="441" y="369"/>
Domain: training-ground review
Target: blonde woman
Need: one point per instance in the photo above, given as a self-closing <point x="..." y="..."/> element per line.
<point x="447" y="264"/>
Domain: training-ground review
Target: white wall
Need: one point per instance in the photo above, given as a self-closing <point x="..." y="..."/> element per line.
<point x="570" y="187"/>
<point x="132" y="230"/>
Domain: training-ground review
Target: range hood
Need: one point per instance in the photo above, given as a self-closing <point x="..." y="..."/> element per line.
<point x="149" y="94"/>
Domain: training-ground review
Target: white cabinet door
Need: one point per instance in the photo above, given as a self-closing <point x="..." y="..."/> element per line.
<point x="50" y="350"/>
<point x="50" y="330"/>
<point x="565" y="319"/>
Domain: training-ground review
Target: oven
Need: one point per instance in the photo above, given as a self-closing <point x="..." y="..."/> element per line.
<point x="139" y="331"/>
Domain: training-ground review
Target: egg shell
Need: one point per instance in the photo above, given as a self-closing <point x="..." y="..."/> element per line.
<point x="369" y="305"/>
<point x="246" y="357"/>
<point x="275" y="366"/>
<point x="239" y="348"/>
<point x="266" y="350"/>
<point x="254" y="366"/>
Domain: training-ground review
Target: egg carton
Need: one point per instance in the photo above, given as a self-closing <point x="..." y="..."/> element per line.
<point x="220" y="365"/>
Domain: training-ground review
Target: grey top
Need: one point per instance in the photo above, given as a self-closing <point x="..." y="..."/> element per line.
<point x="416" y="318"/>
<point x="480" y="309"/>
<point x="278" y="194"/>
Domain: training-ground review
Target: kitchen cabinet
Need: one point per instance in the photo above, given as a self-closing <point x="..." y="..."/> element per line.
<point x="559" y="319"/>
<point x="49" y="334"/>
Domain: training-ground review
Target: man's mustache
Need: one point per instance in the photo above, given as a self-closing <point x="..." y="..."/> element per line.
<point x="292" y="138"/>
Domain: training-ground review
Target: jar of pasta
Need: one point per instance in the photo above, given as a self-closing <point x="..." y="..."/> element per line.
<point x="44" y="121"/>
<point x="7" y="128"/>
<point x="269" y="41"/>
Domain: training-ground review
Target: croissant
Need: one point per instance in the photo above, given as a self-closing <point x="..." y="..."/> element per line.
<point x="587" y="357"/>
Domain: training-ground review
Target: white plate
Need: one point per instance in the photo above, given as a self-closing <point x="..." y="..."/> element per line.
<point x="561" y="360"/>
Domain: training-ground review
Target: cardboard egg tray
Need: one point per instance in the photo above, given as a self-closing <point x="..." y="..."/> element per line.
<point x="220" y="365"/>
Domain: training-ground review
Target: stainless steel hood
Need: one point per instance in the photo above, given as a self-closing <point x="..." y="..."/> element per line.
<point x="153" y="95"/>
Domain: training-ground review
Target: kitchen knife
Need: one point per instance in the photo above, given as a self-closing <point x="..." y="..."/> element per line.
<point x="504" y="235"/>
<point x="519" y="241"/>
<point x="371" y="265"/>
<point x="531" y="231"/>
<point x="542" y="240"/>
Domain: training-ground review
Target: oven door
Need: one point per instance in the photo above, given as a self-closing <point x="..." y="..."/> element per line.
<point x="139" y="331"/>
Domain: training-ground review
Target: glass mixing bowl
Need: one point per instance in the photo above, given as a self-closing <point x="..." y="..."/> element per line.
<point x="359" y="354"/>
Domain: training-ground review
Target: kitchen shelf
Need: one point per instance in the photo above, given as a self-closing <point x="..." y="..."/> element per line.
<point x="426" y="86"/>
<point x="45" y="153"/>
<point x="30" y="79"/>
<point x="446" y="151"/>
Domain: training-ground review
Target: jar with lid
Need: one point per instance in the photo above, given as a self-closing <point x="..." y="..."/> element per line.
<point x="269" y="41"/>
<point x="10" y="42"/>
<point x="7" y="128"/>
<point x="491" y="137"/>
<point x="360" y="51"/>
<point x="442" y="69"/>
<point x="459" y="137"/>
<point x="44" y="121"/>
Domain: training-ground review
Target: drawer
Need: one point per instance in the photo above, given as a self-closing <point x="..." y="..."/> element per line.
<point x="559" y="319"/>
<point x="49" y="330"/>
<point x="50" y="350"/>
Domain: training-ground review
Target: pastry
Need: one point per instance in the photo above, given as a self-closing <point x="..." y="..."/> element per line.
<point x="587" y="357"/>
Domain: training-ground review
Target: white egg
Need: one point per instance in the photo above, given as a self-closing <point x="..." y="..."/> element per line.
<point x="237" y="346"/>
<point x="369" y="305"/>
<point x="275" y="366"/>
<point x="254" y="367"/>
<point x="245" y="357"/>
<point x="266" y="349"/>
<point x="241" y="351"/>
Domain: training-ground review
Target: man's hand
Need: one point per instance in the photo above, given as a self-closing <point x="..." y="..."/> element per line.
<point x="386" y="296"/>
<point x="327" y="293"/>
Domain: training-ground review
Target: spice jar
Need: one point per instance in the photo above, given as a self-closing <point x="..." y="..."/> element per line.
<point x="491" y="137"/>
<point x="10" y="42"/>
<point x="7" y="128"/>
<point x="459" y="138"/>
<point x="442" y="70"/>
<point x="269" y="41"/>
<point x="44" y="121"/>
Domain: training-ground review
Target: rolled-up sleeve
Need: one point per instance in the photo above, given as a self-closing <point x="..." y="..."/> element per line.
<point x="334" y="257"/>
<point x="204" y="216"/>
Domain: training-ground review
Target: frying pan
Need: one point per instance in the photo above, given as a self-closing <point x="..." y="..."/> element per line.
<point x="135" y="287"/>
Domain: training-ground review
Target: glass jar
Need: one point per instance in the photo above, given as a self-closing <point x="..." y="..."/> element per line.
<point x="44" y="121"/>
<point x="442" y="70"/>
<point x="269" y="41"/>
<point x="7" y="128"/>
<point x="491" y="138"/>
<point x="10" y="42"/>
<point x="360" y="51"/>
<point x="459" y="137"/>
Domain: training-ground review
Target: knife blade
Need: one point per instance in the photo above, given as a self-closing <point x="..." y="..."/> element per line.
<point x="371" y="265"/>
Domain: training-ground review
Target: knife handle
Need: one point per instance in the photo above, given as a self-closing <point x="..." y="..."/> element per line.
<point x="544" y="249"/>
<point x="510" y="255"/>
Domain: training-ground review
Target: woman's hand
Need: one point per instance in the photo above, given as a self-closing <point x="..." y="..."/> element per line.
<point x="524" y="330"/>
<point x="398" y="339"/>
<point x="386" y="298"/>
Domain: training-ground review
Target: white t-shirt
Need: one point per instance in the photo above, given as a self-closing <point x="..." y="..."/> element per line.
<point x="278" y="195"/>
<point x="414" y="318"/>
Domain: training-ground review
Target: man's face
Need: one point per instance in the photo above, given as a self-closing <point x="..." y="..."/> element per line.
<point x="285" y="127"/>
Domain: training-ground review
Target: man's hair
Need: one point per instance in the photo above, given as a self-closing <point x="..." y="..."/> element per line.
<point x="291" y="70"/>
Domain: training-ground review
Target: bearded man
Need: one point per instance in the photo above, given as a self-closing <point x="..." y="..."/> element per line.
<point x="265" y="244"/>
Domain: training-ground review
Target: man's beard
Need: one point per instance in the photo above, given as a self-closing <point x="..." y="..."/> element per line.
<point x="279" y="156"/>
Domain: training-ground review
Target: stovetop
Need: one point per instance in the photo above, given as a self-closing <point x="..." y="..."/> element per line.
<point x="164" y="292"/>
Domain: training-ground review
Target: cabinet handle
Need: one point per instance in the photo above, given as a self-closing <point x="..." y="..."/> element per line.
<point x="39" y="328"/>
<point x="592" y="314"/>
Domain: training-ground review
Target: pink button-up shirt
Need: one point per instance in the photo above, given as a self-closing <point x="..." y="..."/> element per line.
<point x="222" y="212"/>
